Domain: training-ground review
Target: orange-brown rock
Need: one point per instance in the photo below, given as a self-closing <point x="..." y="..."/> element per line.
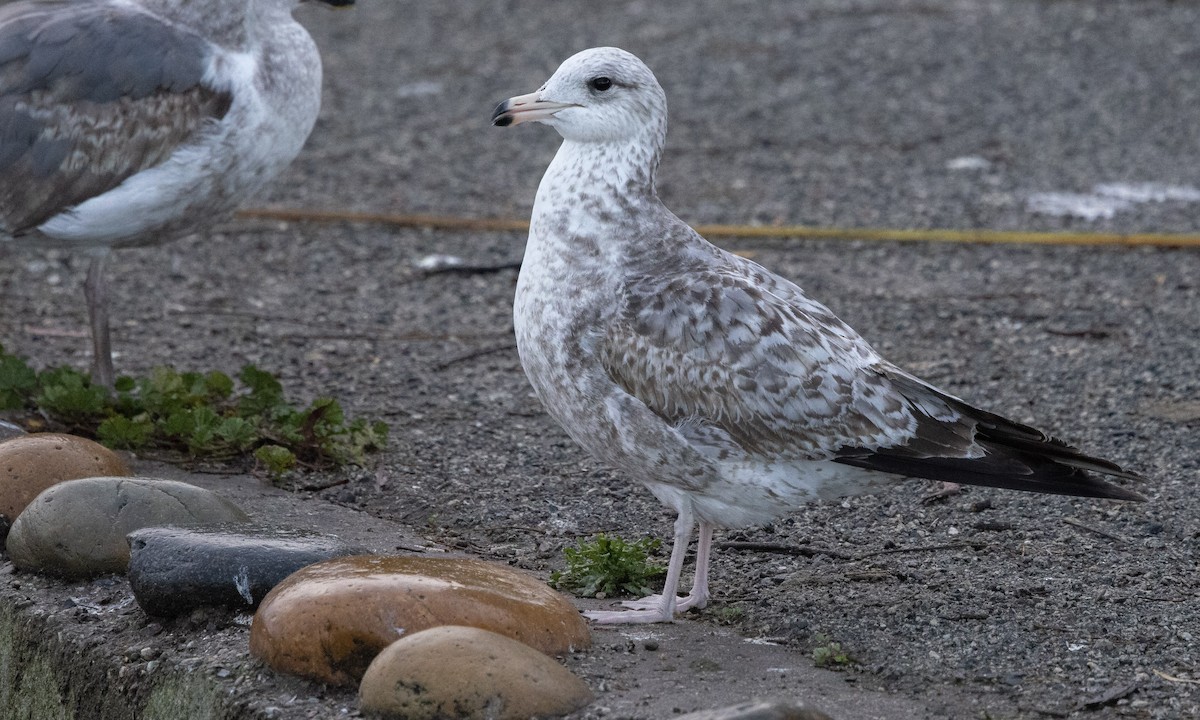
<point x="328" y="621"/>
<point x="465" y="672"/>
<point x="31" y="463"/>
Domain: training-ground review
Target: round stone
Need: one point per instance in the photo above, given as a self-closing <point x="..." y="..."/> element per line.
<point x="77" y="529"/>
<point x="329" y="620"/>
<point x="9" y="431"/>
<point x="465" y="672"/>
<point x="31" y="463"/>
<point x="175" y="570"/>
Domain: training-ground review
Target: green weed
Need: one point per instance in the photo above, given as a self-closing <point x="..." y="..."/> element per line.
<point x="609" y="566"/>
<point x="206" y="416"/>
<point x="828" y="654"/>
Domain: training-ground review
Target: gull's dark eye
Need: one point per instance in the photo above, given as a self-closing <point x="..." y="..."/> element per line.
<point x="600" y="84"/>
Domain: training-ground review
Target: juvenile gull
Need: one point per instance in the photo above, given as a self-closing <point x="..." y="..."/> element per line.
<point x="131" y="122"/>
<point x="726" y="390"/>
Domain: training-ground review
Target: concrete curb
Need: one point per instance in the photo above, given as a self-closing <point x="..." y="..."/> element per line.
<point x="86" y="651"/>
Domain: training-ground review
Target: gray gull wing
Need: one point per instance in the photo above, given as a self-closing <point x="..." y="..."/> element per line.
<point x="731" y="346"/>
<point x="87" y="99"/>
<point x="741" y="349"/>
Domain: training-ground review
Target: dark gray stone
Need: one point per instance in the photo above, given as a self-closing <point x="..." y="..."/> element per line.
<point x="175" y="570"/>
<point x="8" y="431"/>
<point x="776" y="710"/>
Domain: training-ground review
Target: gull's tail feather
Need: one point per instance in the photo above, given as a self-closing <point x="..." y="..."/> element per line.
<point x="1014" y="456"/>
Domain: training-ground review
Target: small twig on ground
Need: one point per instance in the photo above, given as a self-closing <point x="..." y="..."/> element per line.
<point x="780" y="549"/>
<point x="248" y="314"/>
<point x="994" y="526"/>
<point x="1172" y="678"/>
<point x="463" y="357"/>
<point x="1102" y="533"/>
<point x="54" y="332"/>
<point x="1090" y="333"/>
<point x="413" y="548"/>
<point x="924" y="548"/>
<point x="401" y="337"/>
<point x="472" y="269"/>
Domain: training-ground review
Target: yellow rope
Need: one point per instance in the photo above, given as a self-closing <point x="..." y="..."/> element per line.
<point x="1018" y="237"/>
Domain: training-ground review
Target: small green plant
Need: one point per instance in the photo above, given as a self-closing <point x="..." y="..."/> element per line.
<point x="828" y="654"/>
<point x="727" y="614"/>
<point x="203" y="415"/>
<point x="276" y="459"/>
<point x="608" y="566"/>
<point x="17" y="381"/>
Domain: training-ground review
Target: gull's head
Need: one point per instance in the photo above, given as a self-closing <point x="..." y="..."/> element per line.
<point x="598" y="95"/>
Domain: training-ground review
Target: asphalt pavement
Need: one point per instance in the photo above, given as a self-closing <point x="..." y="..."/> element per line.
<point x="1050" y="115"/>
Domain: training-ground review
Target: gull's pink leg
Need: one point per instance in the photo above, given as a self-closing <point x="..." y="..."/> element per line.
<point x="95" y="289"/>
<point x="656" y="608"/>
<point x="698" y="597"/>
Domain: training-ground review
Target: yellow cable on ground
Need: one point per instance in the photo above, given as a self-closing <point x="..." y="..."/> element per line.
<point x="1017" y="237"/>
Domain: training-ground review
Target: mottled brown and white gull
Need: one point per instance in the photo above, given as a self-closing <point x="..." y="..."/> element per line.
<point x="727" y="391"/>
<point x="132" y="122"/>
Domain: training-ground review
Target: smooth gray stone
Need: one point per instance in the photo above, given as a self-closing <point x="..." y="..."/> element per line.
<point x="9" y="431"/>
<point x="175" y="570"/>
<point x="77" y="529"/>
<point x="776" y="710"/>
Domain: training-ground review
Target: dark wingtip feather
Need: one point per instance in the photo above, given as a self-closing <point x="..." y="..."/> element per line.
<point x="1016" y="456"/>
<point x="1001" y="468"/>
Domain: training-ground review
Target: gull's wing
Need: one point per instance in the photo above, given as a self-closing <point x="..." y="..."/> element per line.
<point x="90" y="94"/>
<point x="739" y="348"/>
<point x="730" y="345"/>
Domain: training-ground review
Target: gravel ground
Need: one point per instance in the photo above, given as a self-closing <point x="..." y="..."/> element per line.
<point x="822" y="113"/>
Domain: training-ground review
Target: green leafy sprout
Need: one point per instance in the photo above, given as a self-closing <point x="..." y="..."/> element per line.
<point x="207" y="416"/>
<point x="608" y="566"/>
<point x="829" y="654"/>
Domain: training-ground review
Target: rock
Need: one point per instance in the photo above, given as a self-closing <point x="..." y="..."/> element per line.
<point x="329" y="620"/>
<point x="31" y="463"/>
<point x="465" y="672"/>
<point x="777" y="710"/>
<point x="175" y="570"/>
<point x="9" y="431"/>
<point x="77" y="529"/>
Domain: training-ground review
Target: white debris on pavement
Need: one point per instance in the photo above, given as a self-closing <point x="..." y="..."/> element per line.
<point x="1107" y="199"/>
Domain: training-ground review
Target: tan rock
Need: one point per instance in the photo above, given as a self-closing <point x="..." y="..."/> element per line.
<point x="465" y="672"/>
<point x="77" y="528"/>
<point x="329" y="620"/>
<point x="31" y="463"/>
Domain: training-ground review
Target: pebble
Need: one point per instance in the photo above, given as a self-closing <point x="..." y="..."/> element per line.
<point x="9" y="431"/>
<point x="468" y="673"/>
<point x="77" y="529"/>
<point x="775" y="710"/>
<point x="31" y="463"/>
<point x="175" y="570"/>
<point x="329" y="620"/>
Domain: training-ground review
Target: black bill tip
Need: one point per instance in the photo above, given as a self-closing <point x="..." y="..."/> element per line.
<point x="500" y="116"/>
